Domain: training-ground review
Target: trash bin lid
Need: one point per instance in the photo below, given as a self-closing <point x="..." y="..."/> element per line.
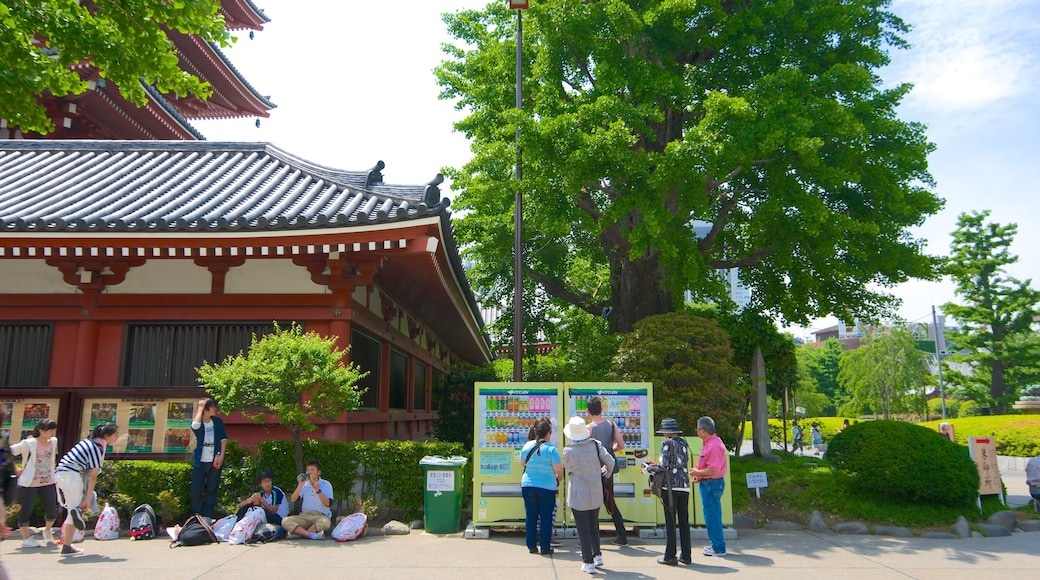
<point x="454" y="461"/>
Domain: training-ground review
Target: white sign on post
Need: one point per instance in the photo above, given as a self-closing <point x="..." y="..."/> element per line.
<point x="440" y="481"/>
<point x="757" y="480"/>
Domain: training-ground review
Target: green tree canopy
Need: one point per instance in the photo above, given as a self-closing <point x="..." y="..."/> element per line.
<point x="689" y="360"/>
<point x="297" y="377"/>
<point x="887" y="373"/>
<point x="127" y="40"/>
<point x="664" y="140"/>
<point x="821" y="364"/>
<point x="996" y="337"/>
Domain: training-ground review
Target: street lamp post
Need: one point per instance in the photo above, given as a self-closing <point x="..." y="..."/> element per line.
<point x="518" y="291"/>
<point x="938" y="360"/>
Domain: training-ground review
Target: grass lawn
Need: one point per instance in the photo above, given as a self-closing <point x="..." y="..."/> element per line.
<point x="799" y="485"/>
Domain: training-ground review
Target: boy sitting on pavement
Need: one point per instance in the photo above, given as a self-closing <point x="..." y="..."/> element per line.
<point x="315" y="516"/>
<point x="270" y="497"/>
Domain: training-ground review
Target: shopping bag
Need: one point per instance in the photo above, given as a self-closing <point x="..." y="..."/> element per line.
<point x="222" y="527"/>
<point x="245" y="527"/>
<point x="350" y="528"/>
<point x="107" y="527"/>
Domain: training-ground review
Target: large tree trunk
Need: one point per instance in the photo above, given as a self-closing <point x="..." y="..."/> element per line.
<point x="638" y="291"/>
<point x="759" y="406"/>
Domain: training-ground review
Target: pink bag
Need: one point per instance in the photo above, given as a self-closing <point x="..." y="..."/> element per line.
<point x="245" y="527"/>
<point x="350" y="528"/>
<point x="107" y="527"/>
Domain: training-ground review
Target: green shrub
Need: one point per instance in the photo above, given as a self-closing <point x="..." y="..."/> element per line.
<point x="132" y="482"/>
<point x="904" y="461"/>
<point x="970" y="409"/>
<point x="935" y="408"/>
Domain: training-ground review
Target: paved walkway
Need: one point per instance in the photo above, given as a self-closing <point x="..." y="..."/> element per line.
<point x="757" y="554"/>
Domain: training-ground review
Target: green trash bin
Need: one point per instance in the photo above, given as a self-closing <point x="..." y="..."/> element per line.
<point x="442" y="501"/>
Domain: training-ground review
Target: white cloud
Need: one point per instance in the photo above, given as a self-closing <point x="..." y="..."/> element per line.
<point x="967" y="54"/>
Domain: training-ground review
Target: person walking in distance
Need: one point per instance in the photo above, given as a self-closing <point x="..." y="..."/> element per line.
<point x="710" y="474"/>
<point x="604" y="431"/>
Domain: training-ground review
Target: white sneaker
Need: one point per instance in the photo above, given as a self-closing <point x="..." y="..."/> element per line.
<point x="709" y="551"/>
<point x="30" y="543"/>
<point x="48" y="536"/>
<point x="597" y="561"/>
<point x="588" y="568"/>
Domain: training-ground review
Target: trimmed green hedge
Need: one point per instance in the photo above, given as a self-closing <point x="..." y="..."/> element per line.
<point x="896" y="459"/>
<point x="388" y="472"/>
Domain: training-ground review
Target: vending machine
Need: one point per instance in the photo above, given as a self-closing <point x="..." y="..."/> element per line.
<point x="503" y="415"/>
<point x="630" y="407"/>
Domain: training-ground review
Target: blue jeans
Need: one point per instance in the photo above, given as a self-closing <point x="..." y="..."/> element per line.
<point x="538" y="505"/>
<point x="204" y="483"/>
<point x="711" y="503"/>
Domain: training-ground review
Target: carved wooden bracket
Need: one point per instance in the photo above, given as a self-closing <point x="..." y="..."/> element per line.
<point x="339" y="273"/>
<point x="94" y="275"/>
<point x="389" y="308"/>
<point x="218" y="268"/>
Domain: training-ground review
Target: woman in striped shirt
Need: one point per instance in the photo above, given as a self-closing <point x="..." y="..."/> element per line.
<point x="79" y="467"/>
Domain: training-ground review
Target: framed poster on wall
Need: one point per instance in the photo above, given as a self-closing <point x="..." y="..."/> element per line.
<point x="22" y="415"/>
<point x="145" y="425"/>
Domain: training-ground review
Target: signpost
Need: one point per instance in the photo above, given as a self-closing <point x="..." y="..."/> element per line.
<point x="984" y="454"/>
<point x="757" y="480"/>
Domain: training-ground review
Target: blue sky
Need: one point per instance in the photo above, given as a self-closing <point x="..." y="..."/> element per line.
<point x="353" y="83"/>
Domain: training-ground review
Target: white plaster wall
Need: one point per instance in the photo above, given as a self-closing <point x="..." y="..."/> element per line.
<point x="164" y="277"/>
<point x="32" y="277"/>
<point x="270" y="277"/>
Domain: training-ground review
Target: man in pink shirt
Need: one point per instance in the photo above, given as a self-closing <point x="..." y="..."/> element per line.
<point x="710" y="474"/>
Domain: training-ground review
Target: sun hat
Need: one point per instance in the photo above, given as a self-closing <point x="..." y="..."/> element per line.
<point x="669" y="426"/>
<point x="576" y="429"/>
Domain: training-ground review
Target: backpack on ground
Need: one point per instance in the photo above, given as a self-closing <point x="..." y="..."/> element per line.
<point x="265" y="532"/>
<point x="194" y="532"/>
<point x="143" y="523"/>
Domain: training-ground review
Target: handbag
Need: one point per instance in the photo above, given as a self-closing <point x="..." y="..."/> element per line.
<point x="607" y="483"/>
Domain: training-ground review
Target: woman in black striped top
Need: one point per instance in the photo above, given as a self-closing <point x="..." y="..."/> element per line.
<point x="78" y="469"/>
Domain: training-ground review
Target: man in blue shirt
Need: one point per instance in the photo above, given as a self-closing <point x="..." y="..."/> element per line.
<point x="315" y="516"/>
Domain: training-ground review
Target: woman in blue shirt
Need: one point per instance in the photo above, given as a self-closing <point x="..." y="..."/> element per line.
<point x="542" y="473"/>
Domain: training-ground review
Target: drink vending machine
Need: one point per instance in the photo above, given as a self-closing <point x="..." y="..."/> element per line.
<point x="630" y="407"/>
<point x="503" y="415"/>
<point x="505" y="412"/>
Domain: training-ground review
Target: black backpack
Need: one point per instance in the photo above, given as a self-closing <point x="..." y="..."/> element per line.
<point x="194" y="532"/>
<point x="143" y="523"/>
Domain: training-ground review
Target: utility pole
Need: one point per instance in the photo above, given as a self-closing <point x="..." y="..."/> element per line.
<point x="938" y="359"/>
<point x="518" y="286"/>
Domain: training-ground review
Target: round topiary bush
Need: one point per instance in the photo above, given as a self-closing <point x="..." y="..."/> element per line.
<point x="905" y="461"/>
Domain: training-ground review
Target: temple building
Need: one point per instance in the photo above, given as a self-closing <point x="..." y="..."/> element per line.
<point x="132" y="251"/>
<point x="126" y="264"/>
<point x="102" y="113"/>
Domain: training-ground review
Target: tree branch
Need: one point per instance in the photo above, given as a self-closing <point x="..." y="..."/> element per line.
<point x="556" y="289"/>
<point x="751" y="260"/>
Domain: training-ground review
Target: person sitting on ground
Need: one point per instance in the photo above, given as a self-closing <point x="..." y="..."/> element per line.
<point x="315" y="516"/>
<point x="270" y="497"/>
